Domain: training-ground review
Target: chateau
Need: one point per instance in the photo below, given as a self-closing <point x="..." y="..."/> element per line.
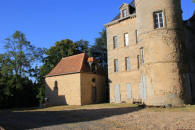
<point x="151" y="57"/>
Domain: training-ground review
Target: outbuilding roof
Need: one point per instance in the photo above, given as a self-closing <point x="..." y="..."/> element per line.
<point x="71" y="64"/>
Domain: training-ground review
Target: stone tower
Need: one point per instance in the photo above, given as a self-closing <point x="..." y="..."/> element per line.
<point x="159" y="27"/>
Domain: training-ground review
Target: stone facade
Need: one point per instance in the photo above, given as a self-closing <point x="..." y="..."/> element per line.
<point x="76" y="80"/>
<point x="61" y="90"/>
<point x="157" y="74"/>
<point x="75" y="89"/>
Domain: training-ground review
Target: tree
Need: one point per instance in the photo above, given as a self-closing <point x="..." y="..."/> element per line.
<point x="82" y="46"/>
<point x="101" y="42"/>
<point x="194" y="1"/>
<point x="63" y="48"/>
<point x="54" y="54"/>
<point x="20" y="55"/>
<point x="16" y="68"/>
<point x="99" y="49"/>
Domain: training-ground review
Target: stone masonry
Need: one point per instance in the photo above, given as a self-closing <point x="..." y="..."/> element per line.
<point x="158" y="75"/>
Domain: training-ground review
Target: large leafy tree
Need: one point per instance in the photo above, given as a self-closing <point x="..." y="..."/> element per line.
<point x="20" y="55"/>
<point x="16" y="68"/>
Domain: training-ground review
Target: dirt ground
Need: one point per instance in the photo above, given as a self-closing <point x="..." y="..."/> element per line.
<point x="100" y="117"/>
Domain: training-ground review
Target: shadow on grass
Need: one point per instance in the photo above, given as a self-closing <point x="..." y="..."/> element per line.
<point x="29" y="120"/>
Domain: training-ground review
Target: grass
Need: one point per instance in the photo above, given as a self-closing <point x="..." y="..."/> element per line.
<point x="187" y="108"/>
<point x="65" y="107"/>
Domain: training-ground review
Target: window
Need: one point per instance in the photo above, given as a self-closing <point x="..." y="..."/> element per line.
<point x="129" y="91"/>
<point x="126" y="39"/>
<point x="124" y="12"/>
<point x="127" y="63"/>
<point x="115" y="41"/>
<point x="143" y="87"/>
<point x="136" y="36"/>
<point x="138" y="61"/>
<point x="142" y="55"/>
<point x="56" y="87"/>
<point x="158" y="19"/>
<point x="116" y="68"/>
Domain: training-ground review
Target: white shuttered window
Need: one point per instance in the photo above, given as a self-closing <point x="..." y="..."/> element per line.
<point x="126" y="39"/>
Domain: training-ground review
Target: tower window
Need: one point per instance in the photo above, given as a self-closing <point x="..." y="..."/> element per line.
<point x="136" y="35"/>
<point x="124" y="13"/>
<point x="126" y="39"/>
<point x="116" y="67"/>
<point x="158" y="20"/>
<point x="142" y="55"/>
<point x="115" y="41"/>
<point x="138" y="61"/>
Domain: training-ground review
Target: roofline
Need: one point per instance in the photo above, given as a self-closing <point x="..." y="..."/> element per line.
<point x="119" y="20"/>
<point x="60" y="61"/>
<point x="71" y="73"/>
<point x="62" y="74"/>
<point x="123" y="4"/>
<point x="73" y="55"/>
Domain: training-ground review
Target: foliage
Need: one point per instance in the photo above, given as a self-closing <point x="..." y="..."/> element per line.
<point x="99" y="49"/>
<point x="18" y="67"/>
<point x="20" y="55"/>
<point x="16" y="64"/>
<point x="54" y="54"/>
<point x="63" y="48"/>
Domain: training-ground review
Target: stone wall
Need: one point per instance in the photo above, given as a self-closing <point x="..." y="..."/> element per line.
<point x="163" y="64"/>
<point x="88" y="81"/>
<point x="75" y="89"/>
<point x="163" y="67"/>
<point x="68" y="89"/>
<point x="123" y="77"/>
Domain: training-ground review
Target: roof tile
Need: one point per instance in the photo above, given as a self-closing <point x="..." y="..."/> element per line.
<point x="71" y="64"/>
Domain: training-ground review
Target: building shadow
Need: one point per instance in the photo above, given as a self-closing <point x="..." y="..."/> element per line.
<point x="11" y="120"/>
<point x="53" y="97"/>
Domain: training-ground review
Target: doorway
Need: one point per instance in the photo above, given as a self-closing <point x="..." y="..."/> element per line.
<point x="94" y="94"/>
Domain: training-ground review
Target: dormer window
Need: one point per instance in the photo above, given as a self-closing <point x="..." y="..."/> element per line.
<point x="124" y="13"/>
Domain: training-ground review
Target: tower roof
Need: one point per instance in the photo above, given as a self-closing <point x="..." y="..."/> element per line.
<point x="132" y="4"/>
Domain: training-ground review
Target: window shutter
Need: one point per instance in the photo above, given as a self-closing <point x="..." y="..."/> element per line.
<point x="126" y="39"/>
<point x="116" y="68"/>
<point x="127" y="60"/>
<point x="129" y="91"/>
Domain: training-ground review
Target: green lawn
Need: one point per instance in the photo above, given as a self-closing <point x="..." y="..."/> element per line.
<point x="94" y="106"/>
<point x="187" y="108"/>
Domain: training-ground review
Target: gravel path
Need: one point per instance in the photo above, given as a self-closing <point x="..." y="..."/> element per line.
<point x="98" y="119"/>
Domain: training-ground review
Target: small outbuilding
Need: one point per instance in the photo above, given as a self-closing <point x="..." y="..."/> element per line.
<point x="76" y="80"/>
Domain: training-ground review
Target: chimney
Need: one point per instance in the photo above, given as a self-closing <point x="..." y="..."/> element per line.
<point x="92" y="63"/>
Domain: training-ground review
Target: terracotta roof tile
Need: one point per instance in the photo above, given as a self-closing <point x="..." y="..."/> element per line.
<point x="71" y="64"/>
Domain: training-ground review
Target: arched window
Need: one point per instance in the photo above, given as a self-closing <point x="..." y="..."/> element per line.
<point x="56" y="87"/>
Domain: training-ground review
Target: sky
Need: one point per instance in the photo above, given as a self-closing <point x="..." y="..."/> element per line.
<point x="46" y="21"/>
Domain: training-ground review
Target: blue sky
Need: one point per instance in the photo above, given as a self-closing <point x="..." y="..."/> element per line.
<point x="46" y="21"/>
